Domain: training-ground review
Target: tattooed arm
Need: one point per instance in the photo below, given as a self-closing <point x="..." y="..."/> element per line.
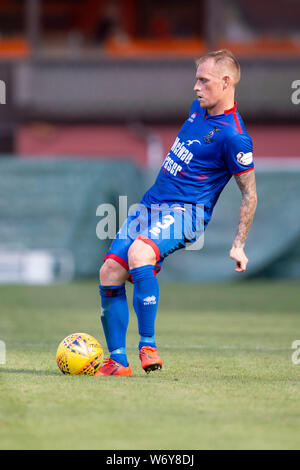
<point x="246" y="183"/>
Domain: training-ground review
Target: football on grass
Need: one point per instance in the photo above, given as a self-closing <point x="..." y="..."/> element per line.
<point x="79" y="354"/>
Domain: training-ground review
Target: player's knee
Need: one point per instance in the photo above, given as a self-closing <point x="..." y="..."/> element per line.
<point x="140" y="254"/>
<point x="112" y="273"/>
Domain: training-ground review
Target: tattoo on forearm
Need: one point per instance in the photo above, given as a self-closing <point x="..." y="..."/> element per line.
<point x="247" y="185"/>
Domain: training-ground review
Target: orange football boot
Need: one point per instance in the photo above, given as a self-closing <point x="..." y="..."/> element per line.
<point x="111" y="367"/>
<point x="150" y="359"/>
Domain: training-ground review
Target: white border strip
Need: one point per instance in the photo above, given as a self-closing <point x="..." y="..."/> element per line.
<point x="181" y="347"/>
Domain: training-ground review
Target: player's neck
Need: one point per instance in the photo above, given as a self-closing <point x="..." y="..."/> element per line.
<point x="221" y="107"/>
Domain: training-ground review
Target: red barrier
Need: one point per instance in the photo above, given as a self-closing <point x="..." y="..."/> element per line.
<point x="116" y="141"/>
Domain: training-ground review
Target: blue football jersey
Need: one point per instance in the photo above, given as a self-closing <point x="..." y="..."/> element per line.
<point x="207" y="151"/>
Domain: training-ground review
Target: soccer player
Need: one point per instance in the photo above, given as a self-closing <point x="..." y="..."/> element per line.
<point x="211" y="146"/>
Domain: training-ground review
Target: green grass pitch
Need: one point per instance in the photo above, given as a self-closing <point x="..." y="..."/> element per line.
<point x="228" y="381"/>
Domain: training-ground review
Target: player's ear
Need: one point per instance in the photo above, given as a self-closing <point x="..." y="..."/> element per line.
<point x="226" y="81"/>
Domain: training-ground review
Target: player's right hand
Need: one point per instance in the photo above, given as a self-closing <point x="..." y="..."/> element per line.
<point x="238" y="254"/>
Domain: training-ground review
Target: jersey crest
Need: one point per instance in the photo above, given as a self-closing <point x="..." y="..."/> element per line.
<point x="208" y="138"/>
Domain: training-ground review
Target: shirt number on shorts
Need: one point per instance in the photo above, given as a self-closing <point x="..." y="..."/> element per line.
<point x="167" y="220"/>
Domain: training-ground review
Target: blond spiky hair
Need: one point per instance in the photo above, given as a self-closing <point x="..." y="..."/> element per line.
<point x="225" y="59"/>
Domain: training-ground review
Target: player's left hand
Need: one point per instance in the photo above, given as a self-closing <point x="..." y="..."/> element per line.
<point x="238" y="254"/>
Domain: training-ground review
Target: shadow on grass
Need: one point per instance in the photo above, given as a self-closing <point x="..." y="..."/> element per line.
<point x="29" y="371"/>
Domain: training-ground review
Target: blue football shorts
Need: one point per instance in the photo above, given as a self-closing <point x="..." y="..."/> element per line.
<point x="165" y="228"/>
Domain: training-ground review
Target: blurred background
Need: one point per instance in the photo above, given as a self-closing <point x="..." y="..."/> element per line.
<point x="93" y="93"/>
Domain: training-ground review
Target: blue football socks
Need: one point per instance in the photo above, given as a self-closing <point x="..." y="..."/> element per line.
<point x="145" y="302"/>
<point x="115" y="319"/>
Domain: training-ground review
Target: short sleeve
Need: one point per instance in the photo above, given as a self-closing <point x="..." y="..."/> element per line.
<point x="239" y="154"/>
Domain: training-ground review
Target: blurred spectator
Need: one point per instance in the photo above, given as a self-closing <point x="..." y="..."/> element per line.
<point x="182" y="20"/>
<point x="110" y="24"/>
<point x="236" y="28"/>
<point x="159" y="24"/>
